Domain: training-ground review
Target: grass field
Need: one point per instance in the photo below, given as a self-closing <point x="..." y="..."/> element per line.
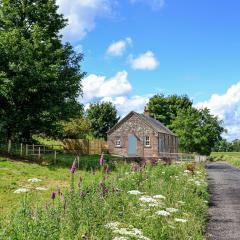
<point x="154" y="202"/>
<point x="232" y="158"/>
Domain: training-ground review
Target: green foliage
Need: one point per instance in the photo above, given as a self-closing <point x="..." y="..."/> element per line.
<point x="39" y="76"/>
<point x="198" y="130"/>
<point x="225" y="146"/>
<point x="78" y="128"/>
<point x="47" y="141"/>
<point x="165" y="108"/>
<point x="102" y="117"/>
<point x="94" y="201"/>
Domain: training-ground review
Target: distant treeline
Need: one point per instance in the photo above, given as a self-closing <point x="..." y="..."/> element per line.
<point x="225" y="146"/>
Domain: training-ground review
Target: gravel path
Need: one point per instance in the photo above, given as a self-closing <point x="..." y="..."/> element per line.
<point x="224" y="210"/>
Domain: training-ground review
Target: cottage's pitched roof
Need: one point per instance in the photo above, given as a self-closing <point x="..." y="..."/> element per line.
<point x="155" y="124"/>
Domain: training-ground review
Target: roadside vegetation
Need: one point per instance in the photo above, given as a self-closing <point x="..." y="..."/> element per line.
<point x="118" y="201"/>
<point x="232" y="158"/>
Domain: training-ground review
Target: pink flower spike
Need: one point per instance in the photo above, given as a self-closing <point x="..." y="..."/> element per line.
<point x="53" y="195"/>
<point x="73" y="169"/>
<point x="107" y="170"/>
<point x="134" y="168"/>
<point x="101" y="161"/>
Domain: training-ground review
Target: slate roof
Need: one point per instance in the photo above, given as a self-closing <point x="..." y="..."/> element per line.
<point x="155" y="124"/>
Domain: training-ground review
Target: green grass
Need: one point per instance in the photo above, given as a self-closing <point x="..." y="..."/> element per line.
<point x="232" y="158"/>
<point x="15" y="174"/>
<point x="87" y="209"/>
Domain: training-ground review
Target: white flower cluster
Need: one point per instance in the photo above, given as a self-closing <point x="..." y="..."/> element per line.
<point x="22" y="190"/>
<point x="34" y="180"/>
<point x="135" y="192"/>
<point x="130" y="231"/>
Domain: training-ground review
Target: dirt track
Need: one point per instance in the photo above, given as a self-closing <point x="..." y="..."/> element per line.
<point x="224" y="211"/>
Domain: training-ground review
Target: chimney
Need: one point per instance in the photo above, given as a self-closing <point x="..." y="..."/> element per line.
<point x="146" y="111"/>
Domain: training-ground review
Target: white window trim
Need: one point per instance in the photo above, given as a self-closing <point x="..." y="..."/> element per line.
<point x="147" y="141"/>
<point x="118" y="142"/>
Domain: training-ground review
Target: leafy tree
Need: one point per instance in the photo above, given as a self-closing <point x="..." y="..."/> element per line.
<point x="236" y="145"/>
<point x="165" y="108"/>
<point x="198" y="130"/>
<point x="223" y="146"/>
<point x="78" y="128"/>
<point x="102" y="116"/>
<point x="40" y="78"/>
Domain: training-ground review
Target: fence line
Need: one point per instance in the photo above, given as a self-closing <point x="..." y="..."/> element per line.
<point x="74" y="146"/>
<point x="183" y="157"/>
<point x="85" y="147"/>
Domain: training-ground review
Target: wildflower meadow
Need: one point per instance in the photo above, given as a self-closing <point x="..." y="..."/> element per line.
<point x="119" y="201"/>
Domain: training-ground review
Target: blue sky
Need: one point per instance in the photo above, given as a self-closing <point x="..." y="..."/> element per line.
<point x="136" y="48"/>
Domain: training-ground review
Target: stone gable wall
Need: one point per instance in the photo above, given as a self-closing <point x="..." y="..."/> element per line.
<point x="134" y="126"/>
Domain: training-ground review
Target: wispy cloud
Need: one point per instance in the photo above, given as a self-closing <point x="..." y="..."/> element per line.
<point x="154" y="4"/>
<point x="82" y="15"/>
<point x="118" y="48"/>
<point x="145" y="61"/>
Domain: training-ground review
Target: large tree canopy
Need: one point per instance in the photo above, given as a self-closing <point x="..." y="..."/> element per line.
<point x="165" y="108"/>
<point x="198" y="130"/>
<point x="40" y="78"/>
<point x="102" y="116"/>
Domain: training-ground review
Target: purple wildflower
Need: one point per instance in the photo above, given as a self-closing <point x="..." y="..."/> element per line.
<point x="73" y="169"/>
<point x="53" y="195"/>
<point x="101" y="184"/>
<point x="101" y="161"/>
<point x="107" y="170"/>
<point x="134" y="168"/>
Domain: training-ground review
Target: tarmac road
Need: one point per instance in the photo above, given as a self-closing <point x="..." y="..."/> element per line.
<point x="224" y="209"/>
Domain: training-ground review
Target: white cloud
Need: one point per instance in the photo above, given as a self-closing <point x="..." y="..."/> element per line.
<point x="119" y="47"/>
<point x="155" y="4"/>
<point x="145" y="61"/>
<point x="98" y="87"/>
<point x="115" y="90"/>
<point x="227" y="108"/>
<point x="126" y="104"/>
<point x="81" y="15"/>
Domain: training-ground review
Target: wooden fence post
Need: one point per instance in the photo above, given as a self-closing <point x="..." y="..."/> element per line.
<point x="26" y="149"/>
<point x="39" y="153"/>
<point x="9" y="146"/>
<point x="33" y="149"/>
<point x="21" y="146"/>
<point x="55" y="157"/>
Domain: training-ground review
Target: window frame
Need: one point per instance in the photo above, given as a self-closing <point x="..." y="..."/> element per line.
<point x="147" y="142"/>
<point x="118" y="142"/>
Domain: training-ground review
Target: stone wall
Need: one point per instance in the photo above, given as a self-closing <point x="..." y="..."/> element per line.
<point x="134" y="126"/>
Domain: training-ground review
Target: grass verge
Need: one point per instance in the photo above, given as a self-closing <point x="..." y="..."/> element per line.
<point x="151" y="202"/>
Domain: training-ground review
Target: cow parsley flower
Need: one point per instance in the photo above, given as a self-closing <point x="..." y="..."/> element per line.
<point x="147" y="199"/>
<point x="163" y="213"/>
<point x="159" y="197"/>
<point x="21" y="190"/>
<point x="180" y="220"/>
<point x="34" y="180"/>
<point x="135" y="192"/>
<point x="113" y="225"/>
<point x="171" y="210"/>
<point x="120" y="238"/>
<point x="41" y="188"/>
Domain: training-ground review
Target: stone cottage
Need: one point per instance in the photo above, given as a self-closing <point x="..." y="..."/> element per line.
<point x="141" y="136"/>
